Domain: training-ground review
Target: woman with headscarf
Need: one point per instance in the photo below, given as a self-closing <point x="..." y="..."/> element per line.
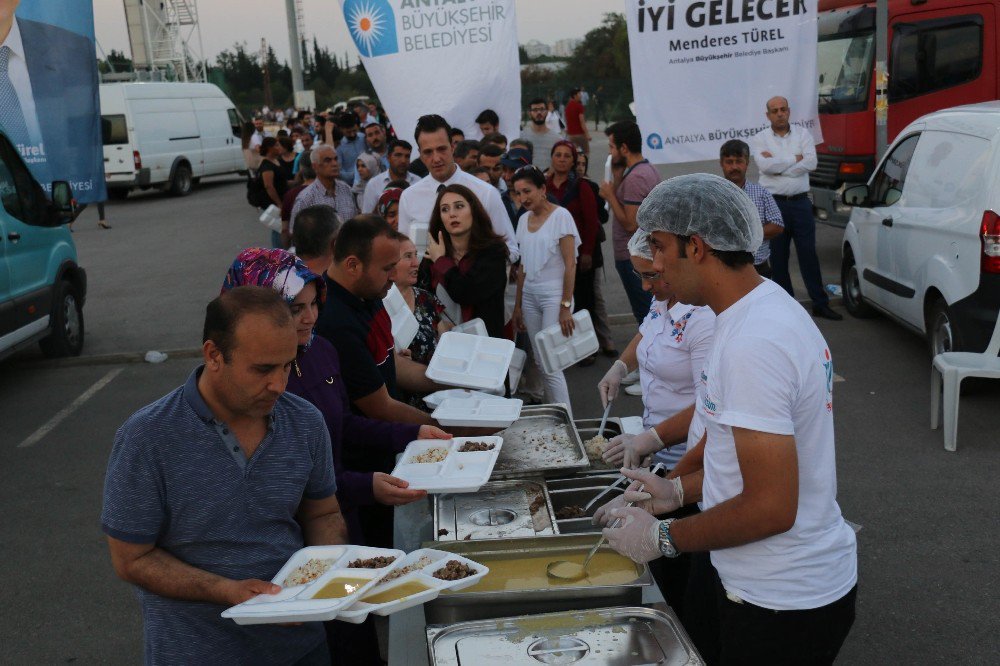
<point x="316" y="377"/>
<point x="576" y="196"/>
<point x="388" y="206"/>
<point x="367" y="167"/>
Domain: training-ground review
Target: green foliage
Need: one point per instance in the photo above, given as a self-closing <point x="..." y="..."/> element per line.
<point x="116" y="62"/>
<point x="603" y="53"/>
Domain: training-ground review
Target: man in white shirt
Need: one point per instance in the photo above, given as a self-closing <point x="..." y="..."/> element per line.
<point x="542" y="137"/>
<point x="417" y="202"/>
<point x="258" y="133"/>
<point x="785" y="155"/>
<point x="399" y="163"/>
<point x="785" y="561"/>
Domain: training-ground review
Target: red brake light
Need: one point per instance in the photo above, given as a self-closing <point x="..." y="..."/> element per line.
<point x="990" y="235"/>
<point x="851" y="168"/>
<point x="137" y="159"/>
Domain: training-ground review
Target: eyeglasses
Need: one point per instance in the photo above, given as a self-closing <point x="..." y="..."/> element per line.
<point x="649" y="277"/>
<point x="526" y="169"/>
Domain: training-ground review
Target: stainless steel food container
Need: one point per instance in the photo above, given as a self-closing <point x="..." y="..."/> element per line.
<point x="630" y="636"/>
<point x="542" y="441"/>
<point x="499" y="510"/>
<point x="578" y="491"/>
<point x="588" y="428"/>
<point x="459" y="606"/>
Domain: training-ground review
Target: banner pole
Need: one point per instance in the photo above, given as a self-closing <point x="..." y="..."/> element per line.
<point x="295" y="46"/>
<point x="881" y="78"/>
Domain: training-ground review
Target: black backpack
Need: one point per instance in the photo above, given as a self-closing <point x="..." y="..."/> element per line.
<point x="256" y="194"/>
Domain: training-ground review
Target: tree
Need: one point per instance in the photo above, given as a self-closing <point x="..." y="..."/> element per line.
<point x="603" y="53"/>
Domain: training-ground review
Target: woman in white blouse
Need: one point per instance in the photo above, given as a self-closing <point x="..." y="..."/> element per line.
<point x="548" y="240"/>
<point x="669" y="351"/>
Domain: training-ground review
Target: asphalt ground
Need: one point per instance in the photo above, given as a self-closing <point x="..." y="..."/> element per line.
<point x="927" y="547"/>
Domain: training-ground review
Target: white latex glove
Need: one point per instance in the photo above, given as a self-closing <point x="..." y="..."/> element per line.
<point x="630" y="450"/>
<point x="608" y="386"/>
<point x="659" y="495"/>
<point x="637" y="537"/>
<point x="602" y="515"/>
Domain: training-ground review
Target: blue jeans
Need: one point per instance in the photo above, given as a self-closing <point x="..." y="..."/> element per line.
<point x="800" y="227"/>
<point x="638" y="299"/>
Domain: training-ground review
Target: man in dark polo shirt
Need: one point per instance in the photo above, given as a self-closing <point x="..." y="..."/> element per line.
<point x="210" y="490"/>
<point x="355" y="321"/>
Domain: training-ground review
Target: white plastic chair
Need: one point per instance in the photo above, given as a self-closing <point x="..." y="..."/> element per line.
<point x="947" y="372"/>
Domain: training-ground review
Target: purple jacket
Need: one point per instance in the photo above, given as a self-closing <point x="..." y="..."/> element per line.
<point x="317" y="379"/>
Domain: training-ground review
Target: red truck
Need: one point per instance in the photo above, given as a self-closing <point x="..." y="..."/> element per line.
<point x="941" y="53"/>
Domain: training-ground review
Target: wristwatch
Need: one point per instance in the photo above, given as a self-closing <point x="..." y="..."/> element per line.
<point x="666" y="543"/>
<point x="566" y="304"/>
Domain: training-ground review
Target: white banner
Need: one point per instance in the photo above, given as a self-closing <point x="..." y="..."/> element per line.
<point x="452" y="59"/>
<point x="703" y="70"/>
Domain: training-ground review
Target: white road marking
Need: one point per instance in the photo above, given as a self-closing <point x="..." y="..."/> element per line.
<point x="37" y="436"/>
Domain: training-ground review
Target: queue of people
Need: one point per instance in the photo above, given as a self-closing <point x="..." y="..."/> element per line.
<point x="287" y="432"/>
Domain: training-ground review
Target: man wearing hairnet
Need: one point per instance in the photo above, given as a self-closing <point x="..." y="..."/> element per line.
<point x="783" y="562"/>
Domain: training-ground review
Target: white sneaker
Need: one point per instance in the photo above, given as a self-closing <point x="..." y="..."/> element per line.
<point x="634" y="389"/>
<point x="631" y="378"/>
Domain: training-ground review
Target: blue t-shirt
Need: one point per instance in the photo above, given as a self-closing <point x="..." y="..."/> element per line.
<point x="178" y="478"/>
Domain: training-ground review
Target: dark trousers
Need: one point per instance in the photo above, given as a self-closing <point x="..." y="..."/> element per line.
<point x="800" y="228"/>
<point x="638" y="299"/>
<point x="584" y="297"/>
<point x="728" y="632"/>
<point x="353" y="644"/>
<point x="671" y="574"/>
<point x="764" y="269"/>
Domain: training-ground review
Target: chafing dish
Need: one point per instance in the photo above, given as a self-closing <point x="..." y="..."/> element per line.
<point x="501" y="509"/>
<point x="578" y="491"/>
<point x="630" y="636"/>
<point x="543" y="441"/>
<point x="473" y="605"/>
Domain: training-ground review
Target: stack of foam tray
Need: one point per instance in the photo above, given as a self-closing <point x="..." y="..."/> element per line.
<point x="558" y="352"/>
<point x="470" y="361"/>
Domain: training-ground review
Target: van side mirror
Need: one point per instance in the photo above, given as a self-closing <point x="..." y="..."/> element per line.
<point x="62" y="200"/>
<point x="855" y="196"/>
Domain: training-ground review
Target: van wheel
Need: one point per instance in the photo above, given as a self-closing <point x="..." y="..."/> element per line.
<point x="117" y="193"/>
<point x="942" y="330"/>
<point x="850" y="285"/>
<point x="181" y="183"/>
<point x="66" y="338"/>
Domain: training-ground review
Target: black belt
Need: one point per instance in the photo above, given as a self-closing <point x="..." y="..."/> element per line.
<point x="790" y="197"/>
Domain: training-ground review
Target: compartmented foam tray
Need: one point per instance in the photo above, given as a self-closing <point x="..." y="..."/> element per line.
<point x="438" y="466"/>
<point x="434" y="400"/>
<point x="302" y="602"/>
<point x="473" y="327"/>
<point x="422" y="564"/>
<point x="490" y="412"/>
<point x="557" y="352"/>
<point x="404" y="323"/>
<point x="470" y="361"/>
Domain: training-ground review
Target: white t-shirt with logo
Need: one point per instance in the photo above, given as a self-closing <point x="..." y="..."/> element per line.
<point x="770" y="370"/>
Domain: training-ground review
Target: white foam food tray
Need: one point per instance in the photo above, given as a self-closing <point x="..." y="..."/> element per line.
<point x="418" y="234"/>
<point x="424" y="574"/>
<point x="297" y="603"/>
<point x="457" y="472"/>
<point x="471" y="361"/>
<point x="434" y="400"/>
<point x="491" y="412"/>
<point x="404" y="323"/>
<point x="558" y="352"/>
<point x="473" y="327"/>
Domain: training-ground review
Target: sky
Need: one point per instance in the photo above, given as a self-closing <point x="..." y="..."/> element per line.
<point x="226" y="22"/>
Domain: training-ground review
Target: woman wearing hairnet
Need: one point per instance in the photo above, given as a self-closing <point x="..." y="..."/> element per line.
<point x="669" y="351"/>
<point x="774" y="576"/>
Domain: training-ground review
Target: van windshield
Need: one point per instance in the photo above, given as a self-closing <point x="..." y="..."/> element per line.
<point x="114" y="130"/>
<point x="844" y="58"/>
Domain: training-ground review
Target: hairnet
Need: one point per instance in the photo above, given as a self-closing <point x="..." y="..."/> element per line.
<point x="638" y="245"/>
<point x="710" y="206"/>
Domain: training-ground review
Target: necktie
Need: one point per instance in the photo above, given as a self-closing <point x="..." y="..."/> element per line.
<point x="441" y="188"/>
<point x="11" y="115"/>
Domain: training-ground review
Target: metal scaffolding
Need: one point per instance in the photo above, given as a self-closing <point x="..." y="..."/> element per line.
<point x="166" y="39"/>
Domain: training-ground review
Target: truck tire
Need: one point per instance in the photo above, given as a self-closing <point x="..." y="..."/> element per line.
<point x="117" y="193"/>
<point x="181" y="182"/>
<point x="66" y="324"/>
<point x="850" y="285"/>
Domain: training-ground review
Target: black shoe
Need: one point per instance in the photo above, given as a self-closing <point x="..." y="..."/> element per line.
<point x="589" y="361"/>
<point x="826" y="312"/>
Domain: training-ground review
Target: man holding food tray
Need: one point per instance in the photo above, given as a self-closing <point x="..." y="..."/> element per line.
<point x="210" y="490"/>
<point x="783" y="561"/>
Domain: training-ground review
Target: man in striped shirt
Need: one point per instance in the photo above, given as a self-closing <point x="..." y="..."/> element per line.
<point x="734" y="157"/>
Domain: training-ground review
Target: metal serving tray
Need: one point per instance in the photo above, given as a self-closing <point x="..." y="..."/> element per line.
<point x="468" y="605"/>
<point x="630" y="636"/>
<point x="543" y="441"/>
<point x="587" y="429"/>
<point x="578" y="491"/>
<point x="500" y="510"/>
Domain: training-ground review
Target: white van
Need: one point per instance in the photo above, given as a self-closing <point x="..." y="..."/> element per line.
<point x="167" y="135"/>
<point x="923" y="241"/>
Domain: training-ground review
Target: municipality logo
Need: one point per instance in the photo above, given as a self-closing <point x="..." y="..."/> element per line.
<point x="655" y="141"/>
<point x="372" y="24"/>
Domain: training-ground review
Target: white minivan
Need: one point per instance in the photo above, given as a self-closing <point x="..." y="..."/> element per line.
<point x="923" y="241"/>
<point x="167" y="135"/>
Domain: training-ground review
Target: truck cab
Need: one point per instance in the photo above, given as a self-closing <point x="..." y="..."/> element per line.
<point x="941" y="53"/>
<point x="42" y="287"/>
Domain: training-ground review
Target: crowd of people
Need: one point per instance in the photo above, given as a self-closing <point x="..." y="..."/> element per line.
<point x="287" y="433"/>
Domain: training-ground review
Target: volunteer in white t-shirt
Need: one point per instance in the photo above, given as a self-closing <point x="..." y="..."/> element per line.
<point x="765" y="472"/>
<point x="669" y="350"/>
